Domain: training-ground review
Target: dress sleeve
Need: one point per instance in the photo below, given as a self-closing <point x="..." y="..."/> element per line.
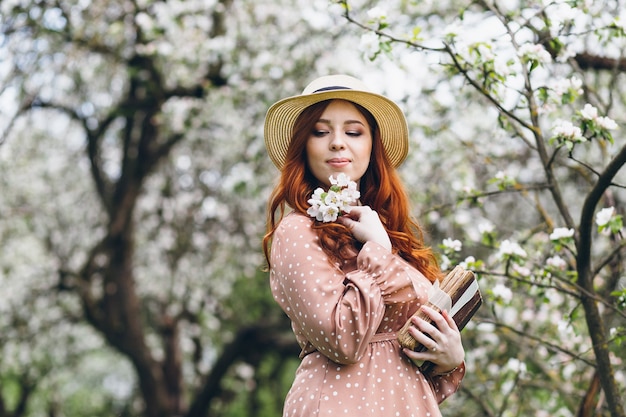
<point x="334" y="311"/>
<point x="444" y="385"/>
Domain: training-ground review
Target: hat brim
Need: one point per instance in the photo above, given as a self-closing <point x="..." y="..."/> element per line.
<point x="282" y="115"/>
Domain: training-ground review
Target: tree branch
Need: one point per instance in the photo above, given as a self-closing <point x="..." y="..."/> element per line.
<point x="594" y="320"/>
<point x="551" y="346"/>
<point x="254" y="339"/>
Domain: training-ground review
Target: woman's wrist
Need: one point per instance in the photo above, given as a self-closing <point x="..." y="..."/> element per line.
<point x="437" y="372"/>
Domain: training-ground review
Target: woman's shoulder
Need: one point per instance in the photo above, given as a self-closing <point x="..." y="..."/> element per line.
<point x="295" y="220"/>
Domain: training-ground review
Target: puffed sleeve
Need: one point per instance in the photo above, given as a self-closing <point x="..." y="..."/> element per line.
<point x="336" y="312"/>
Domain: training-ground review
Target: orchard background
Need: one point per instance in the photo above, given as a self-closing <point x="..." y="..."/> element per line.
<point x="133" y="183"/>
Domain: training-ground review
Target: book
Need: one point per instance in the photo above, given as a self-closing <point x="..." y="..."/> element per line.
<point x="462" y="301"/>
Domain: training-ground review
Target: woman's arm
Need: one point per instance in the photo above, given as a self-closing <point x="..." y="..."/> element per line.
<point x="336" y="312"/>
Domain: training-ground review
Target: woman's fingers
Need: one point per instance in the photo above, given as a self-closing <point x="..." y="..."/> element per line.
<point x="448" y="318"/>
<point x="424" y="332"/>
<point x="441" y="338"/>
<point x="365" y="225"/>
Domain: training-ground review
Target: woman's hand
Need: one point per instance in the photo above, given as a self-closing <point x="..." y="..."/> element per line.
<point x="442" y="341"/>
<point x="365" y="225"/>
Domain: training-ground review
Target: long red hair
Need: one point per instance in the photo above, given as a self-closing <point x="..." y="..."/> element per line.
<point x="380" y="188"/>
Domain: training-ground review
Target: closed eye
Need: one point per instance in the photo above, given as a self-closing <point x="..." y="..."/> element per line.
<point x="319" y="133"/>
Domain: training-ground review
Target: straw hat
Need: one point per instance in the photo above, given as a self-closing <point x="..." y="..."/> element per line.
<point x="282" y="116"/>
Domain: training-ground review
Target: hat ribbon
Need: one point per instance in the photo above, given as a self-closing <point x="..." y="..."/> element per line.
<point x="334" y="87"/>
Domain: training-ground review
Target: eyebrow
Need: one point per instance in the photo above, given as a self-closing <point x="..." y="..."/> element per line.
<point x="347" y="122"/>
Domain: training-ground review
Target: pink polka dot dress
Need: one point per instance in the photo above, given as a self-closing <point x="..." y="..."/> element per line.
<point x="345" y="318"/>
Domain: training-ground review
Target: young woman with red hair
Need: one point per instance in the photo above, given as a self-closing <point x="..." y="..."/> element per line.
<point x="347" y="263"/>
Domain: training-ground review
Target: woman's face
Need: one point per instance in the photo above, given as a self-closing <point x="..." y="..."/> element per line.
<point x="341" y="141"/>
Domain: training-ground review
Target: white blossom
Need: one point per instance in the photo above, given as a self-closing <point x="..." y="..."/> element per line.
<point x="534" y="52"/>
<point x="342" y="180"/>
<point x="501" y="67"/>
<point x="516" y="366"/>
<point x="485" y="227"/>
<point x="144" y="21"/>
<point x="485" y="52"/>
<point x="452" y="30"/>
<point x="467" y="189"/>
<point x="561" y="233"/>
<point x="589" y="112"/>
<point x="455" y="244"/>
<point x="556" y="262"/>
<point x="567" y="130"/>
<point x="502" y="292"/>
<point x="606" y="123"/>
<point x="566" y="53"/>
<point x="565" y="327"/>
<point x="562" y="86"/>
<point x="522" y="270"/>
<point x="369" y="44"/>
<point x="508" y="248"/>
<point x="326" y="206"/>
<point x="445" y="262"/>
<point x="604" y="216"/>
<point x="377" y="13"/>
<point x="469" y="260"/>
<point x="561" y="12"/>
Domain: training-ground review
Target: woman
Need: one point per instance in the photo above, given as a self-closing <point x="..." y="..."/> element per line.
<point x="348" y="281"/>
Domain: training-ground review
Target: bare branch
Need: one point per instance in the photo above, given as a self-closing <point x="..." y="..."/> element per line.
<point x="254" y="339"/>
<point x="551" y="346"/>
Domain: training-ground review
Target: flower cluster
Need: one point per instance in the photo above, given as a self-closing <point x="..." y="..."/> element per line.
<point x="452" y="244"/>
<point x="592" y="125"/>
<point x="511" y="250"/>
<point x="326" y="206"/>
<point x="534" y="53"/>
<point x="562" y="237"/>
<point x="590" y="113"/>
<point x="565" y="130"/>
<point x="502" y="293"/>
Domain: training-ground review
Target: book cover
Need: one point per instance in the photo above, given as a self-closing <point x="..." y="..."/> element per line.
<point x="459" y="294"/>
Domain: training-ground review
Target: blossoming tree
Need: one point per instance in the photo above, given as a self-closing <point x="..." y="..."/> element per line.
<point x="133" y="178"/>
<point x="539" y="191"/>
<point x="133" y="175"/>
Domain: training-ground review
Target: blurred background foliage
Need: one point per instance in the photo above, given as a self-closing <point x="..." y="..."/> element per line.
<point x="133" y="183"/>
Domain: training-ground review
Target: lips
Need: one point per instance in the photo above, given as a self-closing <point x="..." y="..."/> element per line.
<point x="338" y="161"/>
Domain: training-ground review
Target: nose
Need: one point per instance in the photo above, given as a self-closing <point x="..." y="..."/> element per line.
<point x="337" y="143"/>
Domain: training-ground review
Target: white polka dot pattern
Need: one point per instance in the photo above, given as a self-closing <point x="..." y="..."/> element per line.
<point x="344" y="318"/>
